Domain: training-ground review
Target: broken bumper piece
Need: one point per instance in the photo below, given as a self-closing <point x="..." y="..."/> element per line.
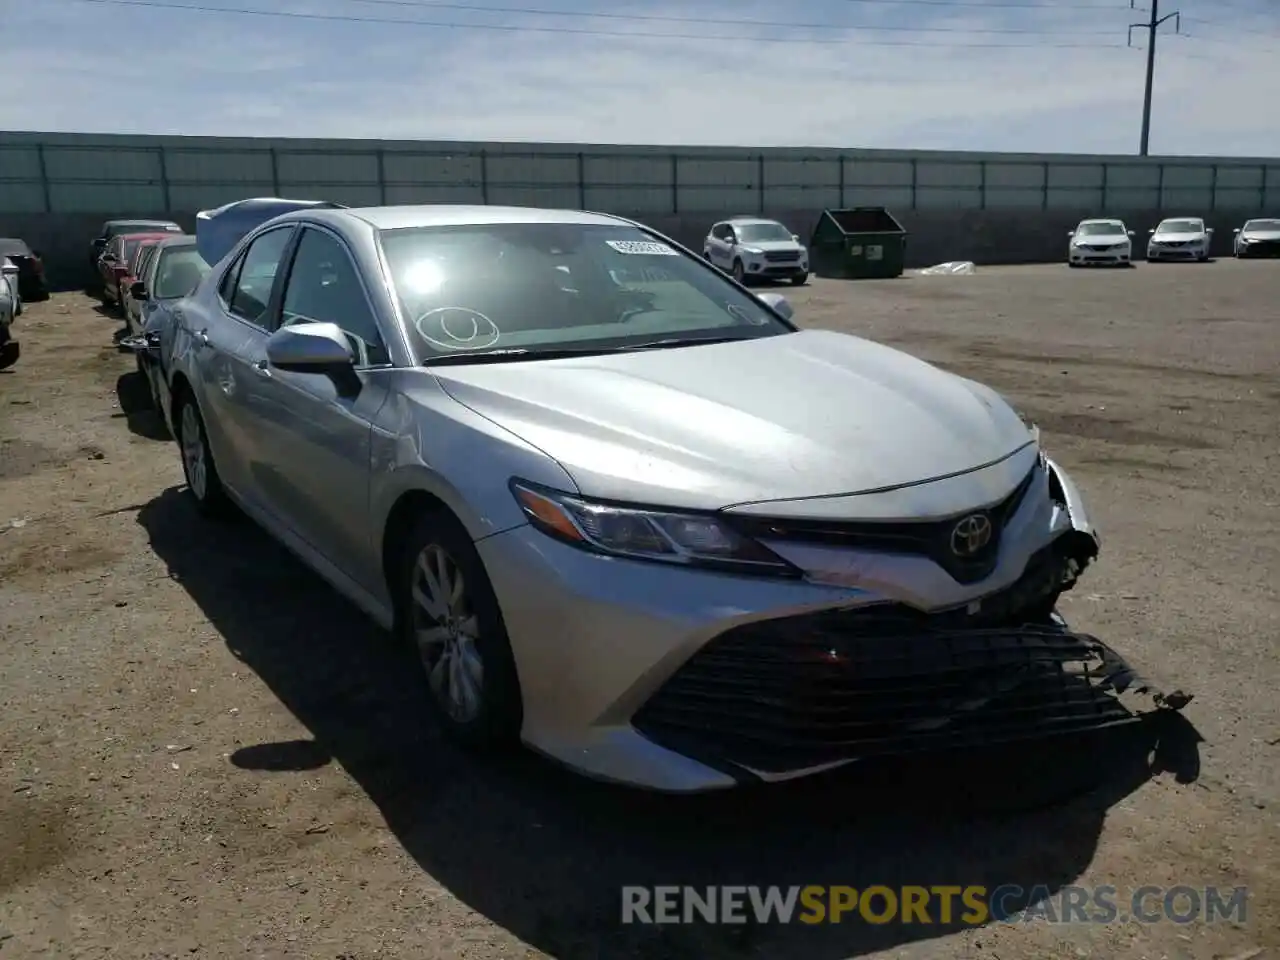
<point x="775" y="700"/>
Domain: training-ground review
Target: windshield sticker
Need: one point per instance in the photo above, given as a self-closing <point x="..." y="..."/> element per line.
<point x="642" y="247"/>
<point x="457" y="328"/>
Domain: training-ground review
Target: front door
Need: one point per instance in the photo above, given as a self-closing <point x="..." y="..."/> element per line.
<point x="315" y="429"/>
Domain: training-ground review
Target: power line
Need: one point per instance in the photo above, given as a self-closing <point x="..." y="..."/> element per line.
<point x="723" y="22"/>
<point x="626" y="34"/>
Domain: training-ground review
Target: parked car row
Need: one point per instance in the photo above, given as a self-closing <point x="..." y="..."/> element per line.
<point x="620" y="506"/>
<point x="1107" y="241"/>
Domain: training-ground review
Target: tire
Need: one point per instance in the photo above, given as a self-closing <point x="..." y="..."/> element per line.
<point x="1073" y="265"/>
<point x="478" y="704"/>
<point x="739" y="273"/>
<point x="706" y="255"/>
<point x="800" y="279"/>
<point x="203" y="483"/>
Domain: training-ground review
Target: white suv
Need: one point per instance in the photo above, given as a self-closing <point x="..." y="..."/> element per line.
<point x="755" y="248"/>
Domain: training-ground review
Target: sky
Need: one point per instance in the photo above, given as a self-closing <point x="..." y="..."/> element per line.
<point x="991" y="75"/>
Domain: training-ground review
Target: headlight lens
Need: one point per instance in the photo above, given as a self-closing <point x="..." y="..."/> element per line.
<point x="645" y="534"/>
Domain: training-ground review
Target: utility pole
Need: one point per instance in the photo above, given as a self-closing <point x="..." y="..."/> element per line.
<point x="1152" y="27"/>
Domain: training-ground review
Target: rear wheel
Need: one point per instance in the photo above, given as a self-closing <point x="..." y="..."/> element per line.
<point x="448" y="614"/>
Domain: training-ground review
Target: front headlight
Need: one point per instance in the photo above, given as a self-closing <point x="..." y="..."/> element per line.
<point x="753" y="251"/>
<point x="643" y="533"/>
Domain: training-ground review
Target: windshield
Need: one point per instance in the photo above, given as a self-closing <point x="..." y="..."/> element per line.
<point x="1262" y="225"/>
<point x="761" y="232"/>
<point x="14" y="248"/>
<point x="548" y="287"/>
<point x="179" y="272"/>
<point x="1181" y="226"/>
<point x="1099" y="229"/>
<point x="130" y="248"/>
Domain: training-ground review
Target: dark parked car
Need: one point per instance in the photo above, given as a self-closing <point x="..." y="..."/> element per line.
<point x="114" y="228"/>
<point x="31" y="281"/>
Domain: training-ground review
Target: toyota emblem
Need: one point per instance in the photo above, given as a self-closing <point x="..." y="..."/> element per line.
<point x="970" y="535"/>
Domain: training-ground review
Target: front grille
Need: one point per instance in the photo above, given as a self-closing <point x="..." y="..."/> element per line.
<point x="930" y="539"/>
<point x="782" y="256"/>
<point x="1263" y="248"/>
<point x="1173" y="244"/>
<point x="1100" y="247"/>
<point x="800" y="692"/>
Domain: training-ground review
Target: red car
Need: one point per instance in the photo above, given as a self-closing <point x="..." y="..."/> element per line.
<point x="119" y="260"/>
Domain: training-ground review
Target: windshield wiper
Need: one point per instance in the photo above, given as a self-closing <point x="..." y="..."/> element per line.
<point x="512" y="353"/>
<point x="562" y="353"/>
<point x="675" y="342"/>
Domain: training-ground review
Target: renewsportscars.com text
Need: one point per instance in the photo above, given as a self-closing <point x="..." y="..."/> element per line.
<point x="966" y="905"/>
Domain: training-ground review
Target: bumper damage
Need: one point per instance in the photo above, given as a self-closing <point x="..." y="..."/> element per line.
<point x="778" y="699"/>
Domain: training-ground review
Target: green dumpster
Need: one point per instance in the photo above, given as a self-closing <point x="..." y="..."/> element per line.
<point x="858" y="243"/>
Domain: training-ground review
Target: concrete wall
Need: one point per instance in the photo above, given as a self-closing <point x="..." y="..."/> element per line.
<point x="56" y="189"/>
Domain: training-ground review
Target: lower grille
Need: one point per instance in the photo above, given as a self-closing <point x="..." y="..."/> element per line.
<point x="796" y="693"/>
<point x="782" y="256"/>
<point x="1262" y="248"/>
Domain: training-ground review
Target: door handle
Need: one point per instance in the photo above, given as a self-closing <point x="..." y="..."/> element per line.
<point x="262" y="368"/>
<point x="202" y="339"/>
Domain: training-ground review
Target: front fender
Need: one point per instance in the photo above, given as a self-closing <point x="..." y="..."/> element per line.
<point x="425" y="441"/>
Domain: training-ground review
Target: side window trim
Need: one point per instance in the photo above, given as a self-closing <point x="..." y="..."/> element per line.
<point x="364" y="289"/>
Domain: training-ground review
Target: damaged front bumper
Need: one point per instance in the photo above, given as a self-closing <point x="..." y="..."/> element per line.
<point x="778" y="699"/>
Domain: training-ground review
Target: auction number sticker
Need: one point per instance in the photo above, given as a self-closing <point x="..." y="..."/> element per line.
<point x="642" y="247"/>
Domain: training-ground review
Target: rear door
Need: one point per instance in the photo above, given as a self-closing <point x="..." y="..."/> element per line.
<point x="231" y="357"/>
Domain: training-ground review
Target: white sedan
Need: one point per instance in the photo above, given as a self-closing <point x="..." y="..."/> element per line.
<point x="1100" y="242"/>
<point x="1180" y="238"/>
<point x="1258" y="238"/>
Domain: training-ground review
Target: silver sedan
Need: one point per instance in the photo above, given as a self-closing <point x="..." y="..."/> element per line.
<point x="624" y="510"/>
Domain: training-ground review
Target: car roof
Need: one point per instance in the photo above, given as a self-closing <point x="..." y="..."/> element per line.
<point x="748" y="220"/>
<point x="449" y="215"/>
<point x="1171" y="219"/>
<point x="14" y="245"/>
<point x="140" y="223"/>
<point x="1101" y="220"/>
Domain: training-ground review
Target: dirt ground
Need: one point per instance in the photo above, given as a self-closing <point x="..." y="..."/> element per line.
<point x="204" y="751"/>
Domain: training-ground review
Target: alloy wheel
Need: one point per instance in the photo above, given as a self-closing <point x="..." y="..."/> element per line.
<point x="446" y="632"/>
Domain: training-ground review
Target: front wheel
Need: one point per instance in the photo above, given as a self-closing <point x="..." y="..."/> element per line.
<point x="800" y="279"/>
<point x="739" y="273"/>
<point x="448" y="614"/>
<point x="203" y="482"/>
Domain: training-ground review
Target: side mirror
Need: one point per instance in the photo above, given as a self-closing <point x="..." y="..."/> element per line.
<point x="310" y="348"/>
<point x="795" y="237"/>
<point x="1152" y="230"/>
<point x="778" y="304"/>
<point x="1236" y="230"/>
<point x="138" y="290"/>
<point x="1209" y="230"/>
<point x="10" y="269"/>
<point x="1131" y="233"/>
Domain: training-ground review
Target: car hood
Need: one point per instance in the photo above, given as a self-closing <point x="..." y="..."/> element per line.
<point x="813" y="413"/>
<point x="1105" y="238"/>
<point x="1177" y="237"/>
<point x="1261" y="234"/>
